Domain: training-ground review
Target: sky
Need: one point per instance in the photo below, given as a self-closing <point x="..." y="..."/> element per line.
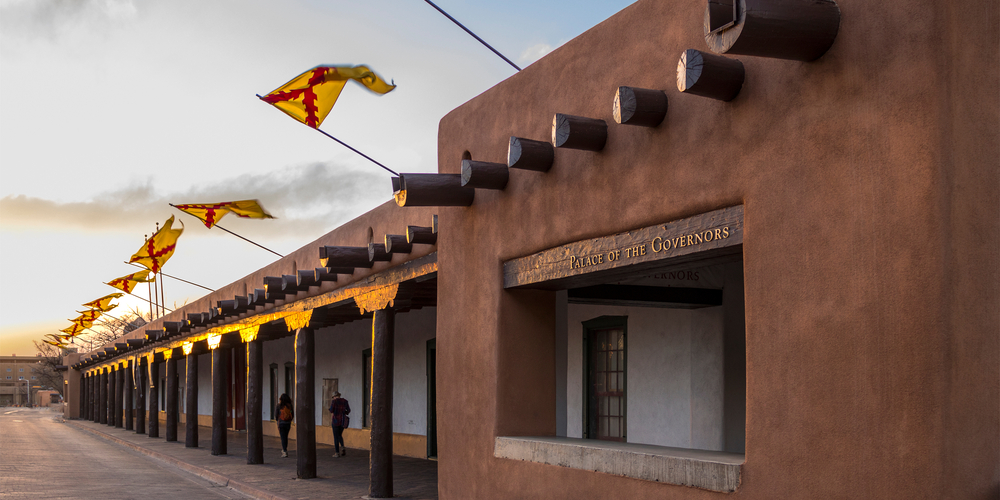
<point x="111" y="109"/>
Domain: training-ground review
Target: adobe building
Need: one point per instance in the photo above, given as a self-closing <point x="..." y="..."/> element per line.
<point x="703" y="250"/>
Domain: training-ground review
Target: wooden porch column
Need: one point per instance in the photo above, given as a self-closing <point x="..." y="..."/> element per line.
<point x="191" y="400"/>
<point x="85" y="397"/>
<point x="120" y="396"/>
<point x="140" y="395"/>
<point x="220" y="392"/>
<point x="154" y="397"/>
<point x="255" y="402"/>
<point x="172" y="409"/>
<point x="305" y="404"/>
<point x="99" y="382"/>
<point x="112" y="398"/>
<point x="380" y="465"/>
<point x="129" y="389"/>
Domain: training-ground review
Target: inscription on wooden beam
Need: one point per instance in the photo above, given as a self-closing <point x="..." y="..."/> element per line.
<point x="632" y="251"/>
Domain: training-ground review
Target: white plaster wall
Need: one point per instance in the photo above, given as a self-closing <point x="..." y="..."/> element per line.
<point x="674" y="379"/>
<point x="339" y="352"/>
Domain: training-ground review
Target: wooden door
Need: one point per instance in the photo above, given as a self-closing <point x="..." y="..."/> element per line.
<point x="605" y="349"/>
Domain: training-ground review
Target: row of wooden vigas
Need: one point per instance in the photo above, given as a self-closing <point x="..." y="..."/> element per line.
<point x="801" y="30"/>
<point x="333" y="259"/>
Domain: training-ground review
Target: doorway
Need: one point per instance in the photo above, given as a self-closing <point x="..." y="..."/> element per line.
<point x="432" y="398"/>
<point x="606" y="357"/>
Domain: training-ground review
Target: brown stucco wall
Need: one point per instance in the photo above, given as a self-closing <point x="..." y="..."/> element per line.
<point x="870" y="184"/>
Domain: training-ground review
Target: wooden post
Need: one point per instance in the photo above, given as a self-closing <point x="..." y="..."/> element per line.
<point x="101" y="415"/>
<point x="396" y="243"/>
<point x="782" y="29"/>
<point x="191" y="400"/>
<point x="83" y="396"/>
<point x="140" y="395"/>
<point x="380" y="464"/>
<point x="642" y="107"/>
<point x="220" y="393"/>
<point x="305" y="405"/>
<point x="172" y="408"/>
<point x="484" y="175"/>
<point x="578" y="132"/>
<point x="115" y="398"/>
<point x="128" y="414"/>
<point x="340" y="256"/>
<point x="433" y="190"/>
<point x="527" y="154"/>
<point x="154" y="398"/>
<point x="255" y="402"/>
<point x="709" y="75"/>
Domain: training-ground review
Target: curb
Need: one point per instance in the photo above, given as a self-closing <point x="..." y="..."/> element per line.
<point x="201" y="472"/>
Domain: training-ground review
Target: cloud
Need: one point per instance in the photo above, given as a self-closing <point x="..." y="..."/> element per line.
<point x="307" y="199"/>
<point x="54" y="18"/>
<point x="535" y="52"/>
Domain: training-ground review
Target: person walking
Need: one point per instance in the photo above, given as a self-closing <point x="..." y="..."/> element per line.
<point x="340" y="409"/>
<point x="285" y="414"/>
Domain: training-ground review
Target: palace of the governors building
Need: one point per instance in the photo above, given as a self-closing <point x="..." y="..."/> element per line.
<point x="743" y="249"/>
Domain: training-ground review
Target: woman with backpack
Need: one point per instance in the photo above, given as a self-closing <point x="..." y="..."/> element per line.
<point x="340" y="409"/>
<point x="285" y="414"/>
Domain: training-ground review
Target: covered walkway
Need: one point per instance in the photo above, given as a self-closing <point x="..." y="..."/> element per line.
<point x="345" y="477"/>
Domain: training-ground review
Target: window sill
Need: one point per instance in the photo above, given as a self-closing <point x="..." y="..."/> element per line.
<point x="711" y="470"/>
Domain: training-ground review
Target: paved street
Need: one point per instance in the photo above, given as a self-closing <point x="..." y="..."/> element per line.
<point x="41" y="457"/>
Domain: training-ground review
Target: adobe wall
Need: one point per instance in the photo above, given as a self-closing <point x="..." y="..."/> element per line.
<point x="870" y="182"/>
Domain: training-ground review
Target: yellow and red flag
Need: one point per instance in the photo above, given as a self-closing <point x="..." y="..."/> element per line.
<point x="57" y="344"/>
<point x="211" y="213"/>
<point x="83" y="322"/>
<point x="73" y="330"/>
<point x="90" y="314"/>
<point x="310" y="96"/>
<point x="127" y="283"/>
<point x="103" y="304"/>
<point x="158" y="248"/>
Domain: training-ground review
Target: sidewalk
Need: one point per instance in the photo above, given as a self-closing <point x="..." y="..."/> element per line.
<point x="344" y="477"/>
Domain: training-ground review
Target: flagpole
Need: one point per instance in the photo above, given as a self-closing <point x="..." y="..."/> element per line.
<point x="467" y="30"/>
<point x="163" y="296"/>
<point x="342" y="143"/>
<point x="228" y="231"/>
<point x="172" y="277"/>
<point x="149" y="286"/>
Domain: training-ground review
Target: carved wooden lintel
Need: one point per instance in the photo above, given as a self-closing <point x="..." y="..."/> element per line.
<point x="782" y="29"/>
<point x="377" y="299"/>
<point x="433" y="190"/>
<point x="528" y="154"/>
<point x="484" y="174"/>
<point x="642" y="107"/>
<point x="708" y="75"/>
<point x="578" y="132"/>
<point x="607" y="258"/>
<point x="298" y="320"/>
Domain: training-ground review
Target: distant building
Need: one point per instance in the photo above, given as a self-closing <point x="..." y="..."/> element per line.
<point x="17" y="375"/>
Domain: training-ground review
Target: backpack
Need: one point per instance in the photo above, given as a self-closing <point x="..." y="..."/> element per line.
<point x="285" y="415"/>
